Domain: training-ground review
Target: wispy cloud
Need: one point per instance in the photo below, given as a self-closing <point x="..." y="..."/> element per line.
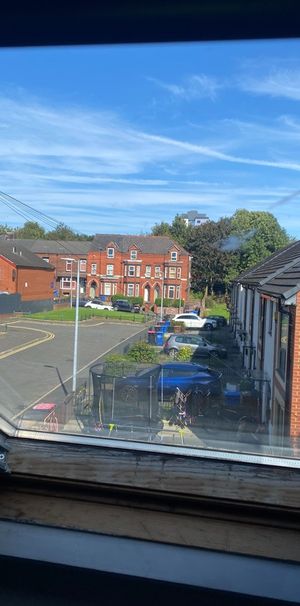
<point x="194" y="87"/>
<point x="277" y="83"/>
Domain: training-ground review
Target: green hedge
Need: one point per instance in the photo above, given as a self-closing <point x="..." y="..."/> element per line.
<point x="133" y="300"/>
<point x="169" y="302"/>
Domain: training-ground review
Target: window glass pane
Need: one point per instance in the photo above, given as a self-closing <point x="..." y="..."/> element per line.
<point x="167" y="183"/>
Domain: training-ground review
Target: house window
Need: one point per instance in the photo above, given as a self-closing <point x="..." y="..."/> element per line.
<point x="131" y="270"/>
<point x="178" y="273"/>
<point x="138" y="271"/>
<point x="93" y="269"/>
<point x="177" y="292"/>
<point x="65" y="284"/>
<point x="133" y="255"/>
<point x="107" y="288"/>
<point x="171" y="292"/>
<point x="148" y="271"/>
<point x="271" y="311"/>
<point x="174" y="256"/>
<point x="137" y="290"/>
<point x="82" y="265"/>
<point x="172" y="272"/>
<point x="109" y="270"/>
<point x="283" y="343"/>
<point x="125" y="270"/>
<point x="130" y="290"/>
<point x="166" y="272"/>
<point x="69" y="265"/>
<point x="157" y="271"/>
<point x="46" y="259"/>
<point x="110" y="253"/>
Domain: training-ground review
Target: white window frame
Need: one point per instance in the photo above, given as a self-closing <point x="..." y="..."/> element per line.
<point x="178" y="292"/>
<point x="109" y="269"/>
<point x="137" y="290"/>
<point x="131" y="271"/>
<point x="172" y="272"/>
<point x="157" y="271"/>
<point x="130" y="290"/>
<point x="107" y="289"/>
<point x="69" y="265"/>
<point x="171" y="288"/>
<point x="65" y="283"/>
<point x="148" y="271"/>
<point x="138" y="271"/>
<point x="110" y="252"/>
<point x="46" y="259"/>
<point x="174" y="255"/>
<point x="93" y="269"/>
<point x="178" y="273"/>
<point x="133" y="255"/>
<point x="82" y="265"/>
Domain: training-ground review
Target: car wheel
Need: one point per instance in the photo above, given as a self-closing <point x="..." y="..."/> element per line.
<point x="208" y="326"/>
<point x="173" y="353"/>
<point x="129" y="393"/>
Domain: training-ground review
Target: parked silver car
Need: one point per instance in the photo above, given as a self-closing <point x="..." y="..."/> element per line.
<point x="199" y="346"/>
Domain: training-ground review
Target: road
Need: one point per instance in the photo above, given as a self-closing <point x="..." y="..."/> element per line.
<point x="36" y="359"/>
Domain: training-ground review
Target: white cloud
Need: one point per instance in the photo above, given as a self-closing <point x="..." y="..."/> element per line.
<point x="277" y="83"/>
<point x="194" y="87"/>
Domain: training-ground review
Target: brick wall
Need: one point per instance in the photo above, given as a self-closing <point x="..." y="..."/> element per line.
<point x="295" y="373"/>
<point x="8" y="276"/>
<point x="35" y="284"/>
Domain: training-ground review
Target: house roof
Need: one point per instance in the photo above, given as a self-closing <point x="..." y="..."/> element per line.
<point x="278" y="275"/>
<point x="194" y="214"/>
<point x="21" y="256"/>
<point x="146" y="244"/>
<point x="65" y="247"/>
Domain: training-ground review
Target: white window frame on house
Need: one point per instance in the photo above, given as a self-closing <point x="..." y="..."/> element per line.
<point x="178" y="292"/>
<point x="107" y="289"/>
<point x="157" y="271"/>
<point x="171" y="291"/>
<point x="65" y="284"/>
<point x="138" y="271"/>
<point x="82" y="265"/>
<point x="174" y="255"/>
<point x="178" y="273"/>
<point x="93" y="269"/>
<point x="125" y="270"/>
<point x="46" y="259"/>
<point x="148" y="271"/>
<point x="137" y="290"/>
<point x="109" y="270"/>
<point x="69" y="265"/>
<point x="172" y="272"/>
<point x="133" y="255"/>
<point x="131" y="271"/>
<point x="110" y="252"/>
<point x="166" y="271"/>
<point x="130" y="290"/>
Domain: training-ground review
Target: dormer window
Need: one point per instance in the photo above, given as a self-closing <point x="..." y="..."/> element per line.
<point x="174" y="256"/>
<point x="110" y="253"/>
<point x="133" y="255"/>
<point x="14" y="249"/>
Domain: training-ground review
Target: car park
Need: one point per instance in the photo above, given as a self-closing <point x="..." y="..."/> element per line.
<point x="199" y="346"/>
<point x="192" y="321"/>
<point x="98" y="304"/>
<point x="165" y="379"/>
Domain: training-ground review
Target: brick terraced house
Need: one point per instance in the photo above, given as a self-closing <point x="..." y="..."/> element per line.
<point x="24" y="274"/>
<point x="266" y="321"/>
<point x="138" y="266"/>
<point x="59" y="253"/>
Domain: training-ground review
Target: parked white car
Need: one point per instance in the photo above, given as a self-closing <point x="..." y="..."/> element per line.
<point x="98" y="304"/>
<point x="191" y="320"/>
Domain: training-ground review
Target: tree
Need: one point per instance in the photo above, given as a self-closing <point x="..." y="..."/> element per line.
<point x="31" y="230"/>
<point x="178" y="230"/>
<point x="62" y="232"/>
<point x="161" y="229"/>
<point x="260" y="235"/>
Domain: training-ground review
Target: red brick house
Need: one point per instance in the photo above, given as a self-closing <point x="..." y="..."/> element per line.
<point x="23" y="273"/>
<point x="59" y="254"/>
<point x="138" y="266"/>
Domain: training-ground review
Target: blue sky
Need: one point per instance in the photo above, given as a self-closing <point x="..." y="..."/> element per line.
<point x="114" y="139"/>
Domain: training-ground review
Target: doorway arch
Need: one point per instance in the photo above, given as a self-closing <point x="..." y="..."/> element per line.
<point x="93" y="288"/>
<point x="147" y="294"/>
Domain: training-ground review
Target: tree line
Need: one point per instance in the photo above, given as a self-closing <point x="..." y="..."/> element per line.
<point x="223" y="249"/>
<point x="32" y="230"/>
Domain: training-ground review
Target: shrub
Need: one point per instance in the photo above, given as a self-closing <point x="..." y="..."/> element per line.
<point x="142" y="352"/>
<point x="133" y="300"/>
<point x="117" y="365"/>
<point x="184" y="354"/>
<point x="169" y="302"/>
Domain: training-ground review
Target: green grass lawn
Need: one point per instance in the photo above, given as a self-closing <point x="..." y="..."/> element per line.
<point x="217" y="309"/>
<point x="68" y="315"/>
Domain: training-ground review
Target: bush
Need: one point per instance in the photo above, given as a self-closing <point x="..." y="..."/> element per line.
<point x="117" y="365"/>
<point x="142" y="352"/>
<point x="169" y="302"/>
<point x="184" y="354"/>
<point x="133" y="300"/>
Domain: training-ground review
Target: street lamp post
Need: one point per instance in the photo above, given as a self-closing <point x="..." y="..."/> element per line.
<point x="162" y="296"/>
<point x="75" y="348"/>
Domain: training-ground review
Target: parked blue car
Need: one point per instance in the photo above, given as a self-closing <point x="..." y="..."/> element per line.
<point x="165" y="378"/>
